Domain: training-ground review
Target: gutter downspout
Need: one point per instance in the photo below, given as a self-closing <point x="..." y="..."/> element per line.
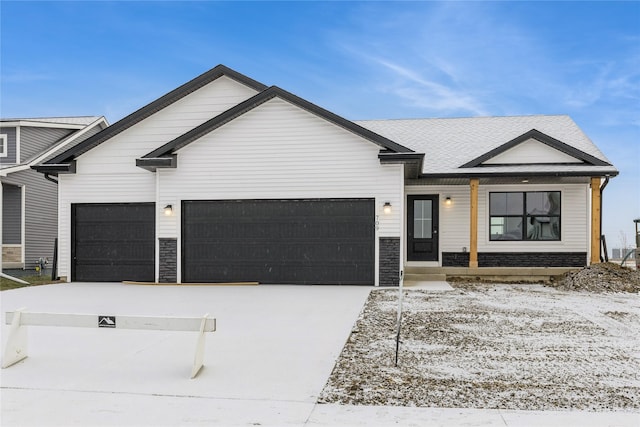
<point x="602" y="187"/>
<point x="48" y="177"/>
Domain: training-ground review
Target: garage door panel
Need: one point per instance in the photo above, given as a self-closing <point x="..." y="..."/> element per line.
<point x="292" y="273"/>
<point x="114" y="273"/>
<point x="105" y="251"/>
<point x="234" y="229"/>
<point x="279" y="241"/>
<point x="290" y="254"/>
<point x="113" y="242"/>
<point x="104" y="232"/>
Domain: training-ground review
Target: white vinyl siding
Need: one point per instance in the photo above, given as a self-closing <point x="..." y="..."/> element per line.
<point x="108" y="173"/>
<point x="278" y="151"/>
<point x="531" y="152"/>
<point x="119" y="154"/>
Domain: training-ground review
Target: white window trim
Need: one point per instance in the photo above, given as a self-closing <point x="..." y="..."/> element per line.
<point x="4" y="146"/>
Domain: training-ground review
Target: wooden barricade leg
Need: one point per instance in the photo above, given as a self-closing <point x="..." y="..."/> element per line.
<point x="198" y="359"/>
<point x="16" y="348"/>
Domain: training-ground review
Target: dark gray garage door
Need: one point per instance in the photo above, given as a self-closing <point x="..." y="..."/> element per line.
<point x="327" y="241"/>
<point x="113" y="242"/>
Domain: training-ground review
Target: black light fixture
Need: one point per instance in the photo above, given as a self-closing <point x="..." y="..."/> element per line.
<point x="386" y="208"/>
<point x="168" y="210"/>
<point x="448" y="201"/>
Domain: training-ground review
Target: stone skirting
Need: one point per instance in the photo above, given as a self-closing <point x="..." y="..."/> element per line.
<point x="389" y="261"/>
<point x="455" y="259"/>
<point x="168" y="261"/>
<point x="12" y="254"/>
<point x="517" y="259"/>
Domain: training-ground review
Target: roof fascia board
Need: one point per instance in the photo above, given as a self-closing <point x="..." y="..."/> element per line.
<point x="155" y="106"/>
<point x="386" y="157"/>
<point x="13" y="169"/>
<point x="259" y="99"/>
<point x="153" y="163"/>
<point x="342" y="122"/>
<point x="413" y="162"/>
<point x="36" y="124"/>
<point x="519" y="174"/>
<point x="540" y="137"/>
<point x="56" y="169"/>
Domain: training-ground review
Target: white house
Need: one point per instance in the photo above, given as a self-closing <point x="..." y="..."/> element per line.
<point x="226" y="180"/>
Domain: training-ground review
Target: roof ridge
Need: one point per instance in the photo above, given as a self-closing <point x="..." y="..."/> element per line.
<point x="463" y="118"/>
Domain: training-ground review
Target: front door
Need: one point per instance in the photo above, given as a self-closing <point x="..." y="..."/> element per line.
<point x="422" y="228"/>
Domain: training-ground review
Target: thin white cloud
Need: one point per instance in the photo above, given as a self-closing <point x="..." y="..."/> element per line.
<point x="586" y="93"/>
<point x="483" y="58"/>
<point x="427" y="60"/>
<point x="428" y="94"/>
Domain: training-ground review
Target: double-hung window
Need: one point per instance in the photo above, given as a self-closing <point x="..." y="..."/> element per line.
<point x="530" y="215"/>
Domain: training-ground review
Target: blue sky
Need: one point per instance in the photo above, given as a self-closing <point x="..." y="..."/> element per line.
<point x="361" y="60"/>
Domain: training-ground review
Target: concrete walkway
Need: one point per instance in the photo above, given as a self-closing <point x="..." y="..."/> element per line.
<point x="266" y="365"/>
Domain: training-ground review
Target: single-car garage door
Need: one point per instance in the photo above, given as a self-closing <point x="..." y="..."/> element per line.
<point x="320" y="241"/>
<point x="113" y="242"/>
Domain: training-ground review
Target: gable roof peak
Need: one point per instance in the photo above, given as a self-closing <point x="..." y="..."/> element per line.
<point x="155" y="106"/>
<point x="542" y="138"/>
<point x="261" y="98"/>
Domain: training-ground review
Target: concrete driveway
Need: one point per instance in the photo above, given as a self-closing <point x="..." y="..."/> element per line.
<point x="267" y="363"/>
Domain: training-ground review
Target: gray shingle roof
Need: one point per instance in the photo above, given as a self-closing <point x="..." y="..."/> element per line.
<point x="451" y="143"/>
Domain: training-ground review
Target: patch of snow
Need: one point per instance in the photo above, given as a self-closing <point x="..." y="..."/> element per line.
<point x="494" y="347"/>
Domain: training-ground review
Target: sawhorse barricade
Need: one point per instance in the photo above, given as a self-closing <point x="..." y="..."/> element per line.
<point x="16" y="347"/>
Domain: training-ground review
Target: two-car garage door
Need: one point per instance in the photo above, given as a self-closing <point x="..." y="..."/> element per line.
<point x="320" y="241"/>
<point x="312" y="241"/>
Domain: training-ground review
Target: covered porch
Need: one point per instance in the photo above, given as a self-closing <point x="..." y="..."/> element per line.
<point x="470" y="230"/>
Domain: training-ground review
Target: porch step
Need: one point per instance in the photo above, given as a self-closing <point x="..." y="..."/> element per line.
<point x="425" y="277"/>
<point x="527" y="274"/>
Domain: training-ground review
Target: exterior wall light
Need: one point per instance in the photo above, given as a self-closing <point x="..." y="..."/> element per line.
<point x="168" y="210"/>
<point x="448" y="201"/>
<point x="386" y="208"/>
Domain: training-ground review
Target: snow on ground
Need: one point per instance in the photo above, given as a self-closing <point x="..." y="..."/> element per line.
<point x="269" y="360"/>
<point x="516" y="347"/>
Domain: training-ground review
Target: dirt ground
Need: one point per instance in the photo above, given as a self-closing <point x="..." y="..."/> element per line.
<point x="603" y="277"/>
<point x="528" y="347"/>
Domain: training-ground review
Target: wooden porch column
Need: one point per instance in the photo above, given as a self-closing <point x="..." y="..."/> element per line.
<point x="595" y="220"/>
<point x="473" y="222"/>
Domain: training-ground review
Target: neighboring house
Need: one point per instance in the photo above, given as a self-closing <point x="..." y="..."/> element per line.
<point x="226" y="180"/>
<point x="29" y="201"/>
